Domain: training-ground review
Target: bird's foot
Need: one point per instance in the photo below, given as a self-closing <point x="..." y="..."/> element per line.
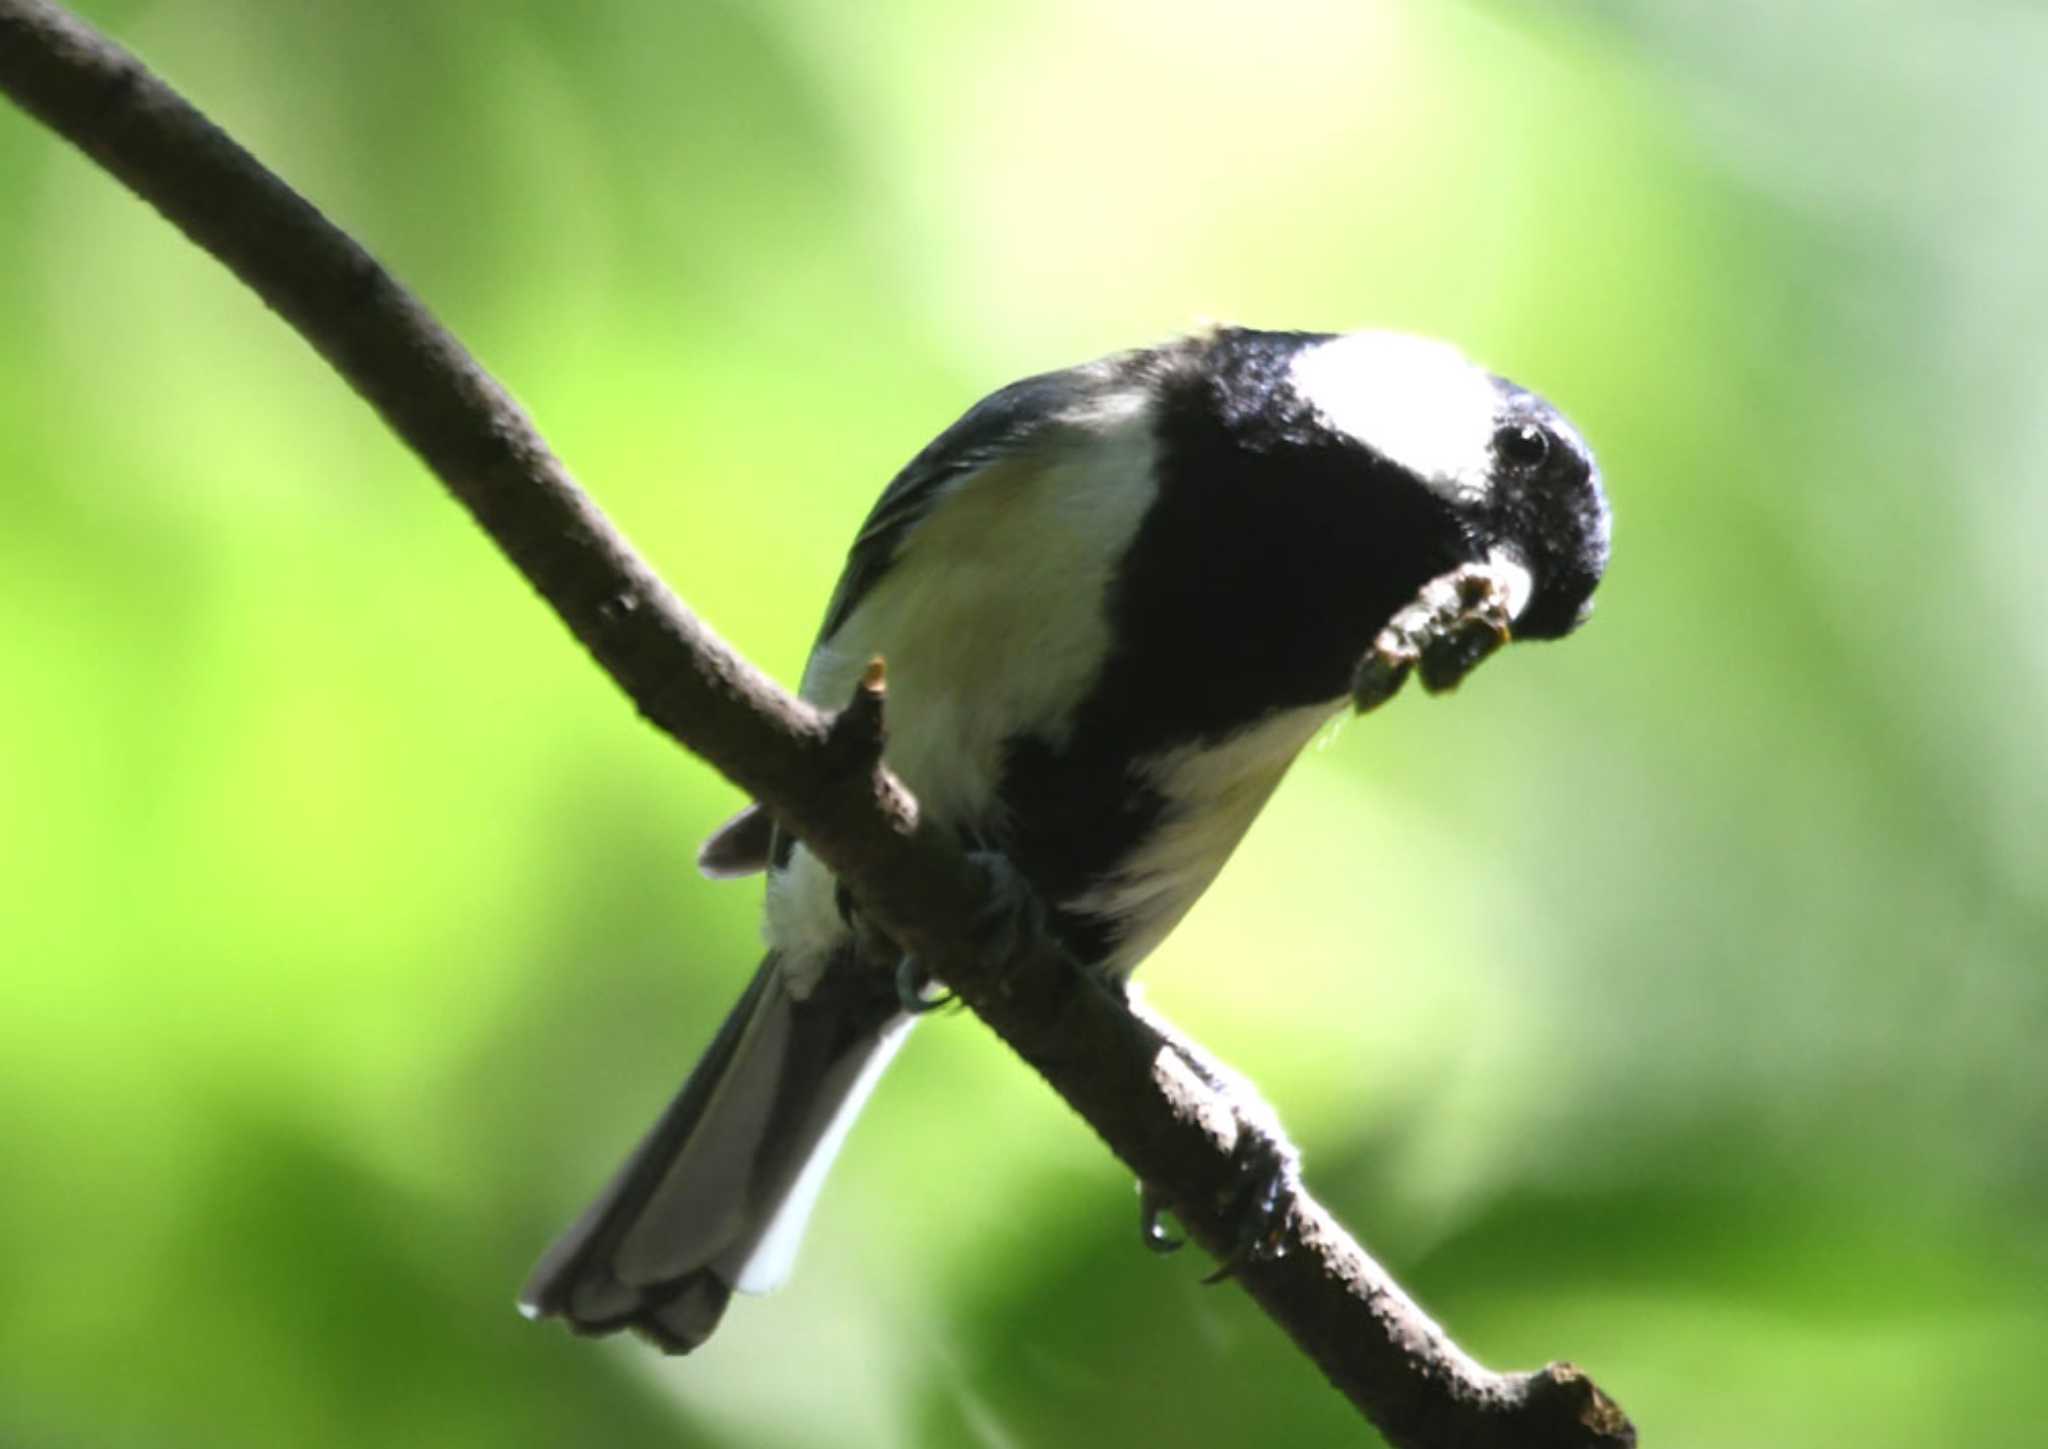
<point x="1014" y="920"/>
<point x="916" y="992"/>
<point x="1257" y="1208"/>
<point x="1152" y="1206"/>
<point x="1011" y="923"/>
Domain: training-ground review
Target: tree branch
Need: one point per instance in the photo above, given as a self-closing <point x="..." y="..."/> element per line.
<point x="1173" y="1123"/>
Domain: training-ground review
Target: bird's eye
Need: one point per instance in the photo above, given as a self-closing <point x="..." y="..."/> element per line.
<point x="1524" y="446"/>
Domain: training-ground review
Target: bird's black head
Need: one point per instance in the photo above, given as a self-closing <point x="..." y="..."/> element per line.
<point x="1514" y="474"/>
<point x="1545" y="508"/>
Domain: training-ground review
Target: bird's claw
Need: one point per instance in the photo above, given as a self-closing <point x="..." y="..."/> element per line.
<point x="914" y="988"/>
<point x="1152" y="1206"/>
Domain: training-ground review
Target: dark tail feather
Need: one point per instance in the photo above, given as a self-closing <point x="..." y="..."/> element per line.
<point x="716" y="1196"/>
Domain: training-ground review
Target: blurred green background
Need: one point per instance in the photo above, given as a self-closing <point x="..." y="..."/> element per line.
<point x="1672" y="1000"/>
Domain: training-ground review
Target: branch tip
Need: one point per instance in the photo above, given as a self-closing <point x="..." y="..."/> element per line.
<point x="857" y="733"/>
<point x="1564" y="1407"/>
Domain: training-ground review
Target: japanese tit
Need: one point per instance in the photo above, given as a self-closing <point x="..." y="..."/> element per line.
<point x="1114" y="602"/>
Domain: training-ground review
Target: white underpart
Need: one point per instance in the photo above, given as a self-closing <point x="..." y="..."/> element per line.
<point x="801" y="919"/>
<point x="979" y="649"/>
<point x="1413" y="400"/>
<point x="1211" y="795"/>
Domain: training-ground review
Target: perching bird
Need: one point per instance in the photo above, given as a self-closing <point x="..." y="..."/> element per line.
<point x="1115" y="602"/>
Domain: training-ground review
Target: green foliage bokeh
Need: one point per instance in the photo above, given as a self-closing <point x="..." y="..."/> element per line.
<point x="1670" y="999"/>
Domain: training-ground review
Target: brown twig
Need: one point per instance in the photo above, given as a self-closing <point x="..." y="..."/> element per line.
<point x="1176" y="1127"/>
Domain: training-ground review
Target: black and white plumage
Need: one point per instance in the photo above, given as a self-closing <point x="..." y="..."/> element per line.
<point x="1115" y="602"/>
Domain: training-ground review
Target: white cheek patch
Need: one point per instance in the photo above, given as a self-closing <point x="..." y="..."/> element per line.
<point x="1415" y="401"/>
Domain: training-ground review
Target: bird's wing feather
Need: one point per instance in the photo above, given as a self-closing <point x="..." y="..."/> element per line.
<point x="1003" y="423"/>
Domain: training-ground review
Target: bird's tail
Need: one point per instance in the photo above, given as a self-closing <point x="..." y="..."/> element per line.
<point x="716" y="1196"/>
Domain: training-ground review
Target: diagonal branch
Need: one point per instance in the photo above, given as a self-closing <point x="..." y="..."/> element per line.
<point x="1172" y="1121"/>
